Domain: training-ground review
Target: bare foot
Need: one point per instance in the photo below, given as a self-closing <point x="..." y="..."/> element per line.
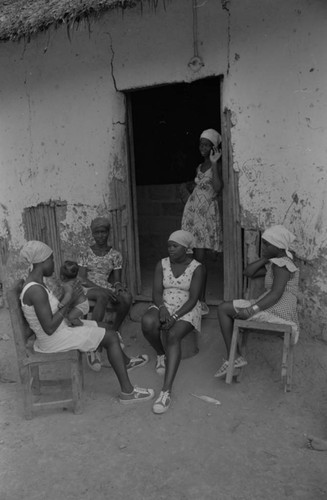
<point x="317" y="444"/>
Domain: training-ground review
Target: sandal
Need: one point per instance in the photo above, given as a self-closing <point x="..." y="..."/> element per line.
<point x="240" y="362"/>
<point x="222" y="371"/>
<point x="136" y="396"/>
<point x="139" y="360"/>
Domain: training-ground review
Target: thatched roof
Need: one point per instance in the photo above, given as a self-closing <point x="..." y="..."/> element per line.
<point x="24" y="18"/>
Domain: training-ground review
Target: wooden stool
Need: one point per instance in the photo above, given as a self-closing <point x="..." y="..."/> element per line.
<point x="29" y="362"/>
<point x="243" y="327"/>
<point x="190" y="345"/>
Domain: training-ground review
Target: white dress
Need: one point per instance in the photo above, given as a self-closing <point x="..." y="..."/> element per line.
<point x="65" y="338"/>
<point x="177" y="291"/>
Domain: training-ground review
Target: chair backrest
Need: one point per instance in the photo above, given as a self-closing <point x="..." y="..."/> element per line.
<point x="20" y="328"/>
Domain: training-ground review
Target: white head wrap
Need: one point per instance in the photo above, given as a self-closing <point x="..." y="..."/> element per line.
<point x="35" y="252"/>
<point x="183" y="238"/>
<point x="280" y="237"/>
<point x="212" y="135"/>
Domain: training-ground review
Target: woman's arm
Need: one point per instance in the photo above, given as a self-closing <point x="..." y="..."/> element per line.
<point x="157" y="286"/>
<point x="215" y="156"/>
<point x="82" y="273"/>
<point x="116" y="280"/>
<point x="256" y="268"/>
<point x="37" y="297"/>
<point x="216" y="178"/>
<point x="281" y="277"/>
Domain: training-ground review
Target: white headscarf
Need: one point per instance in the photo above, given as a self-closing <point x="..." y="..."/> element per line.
<point x="35" y="252"/>
<point x="212" y="135"/>
<point x="280" y="237"/>
<point x="183" y="238"/>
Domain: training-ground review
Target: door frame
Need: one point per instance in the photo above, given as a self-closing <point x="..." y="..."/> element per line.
<point x="232" y="234"/>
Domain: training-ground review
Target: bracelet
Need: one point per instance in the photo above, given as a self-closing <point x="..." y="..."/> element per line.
<point x="154" y="307"/>
<point x="255" y="308"/>
<point x="118" y="283"/>
<point x="60" y="305"/>
<point x="175" y="316"/>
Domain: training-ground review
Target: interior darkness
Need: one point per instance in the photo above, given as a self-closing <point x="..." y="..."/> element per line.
<point x="167" y="123"/>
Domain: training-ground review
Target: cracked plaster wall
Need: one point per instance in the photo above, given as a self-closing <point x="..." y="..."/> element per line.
<point x="63" y="123"/>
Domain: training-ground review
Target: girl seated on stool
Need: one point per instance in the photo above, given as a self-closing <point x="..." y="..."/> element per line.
<point x="176" y="309"/>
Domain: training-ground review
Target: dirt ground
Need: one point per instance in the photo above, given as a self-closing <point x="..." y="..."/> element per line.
<point x="250" y="447"/>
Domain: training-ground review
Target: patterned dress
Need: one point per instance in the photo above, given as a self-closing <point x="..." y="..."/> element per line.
<point x="99" y="268"/>
<point x="177" y="291"/>
<point x="65" y="338"/>
<point x="285" y="310"/>
<point x="201" y="215"/>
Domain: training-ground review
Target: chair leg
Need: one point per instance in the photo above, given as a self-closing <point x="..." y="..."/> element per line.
<point x="76" y="387"/>
<point x="232" y="355"/>
<point x="81" y="371"/>
<point x="36" y="384"/>
<point x="289" y="374"/>
<point x="285" y="355"/>
<point x="26" y="380"/>
<point x="287" y="362"/>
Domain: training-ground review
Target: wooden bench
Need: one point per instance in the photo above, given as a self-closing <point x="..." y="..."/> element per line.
<point x="241" y="330"/>
<point x="30" y="361"/>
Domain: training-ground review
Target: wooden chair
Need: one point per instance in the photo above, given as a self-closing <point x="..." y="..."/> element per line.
<point x="29" y="362"/>
<point x="240" y="333"/>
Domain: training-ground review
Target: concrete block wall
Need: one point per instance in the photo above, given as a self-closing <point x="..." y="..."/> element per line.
<point x="160" y="210"/>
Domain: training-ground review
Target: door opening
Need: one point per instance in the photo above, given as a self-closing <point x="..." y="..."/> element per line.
<point x="166" y="125"/>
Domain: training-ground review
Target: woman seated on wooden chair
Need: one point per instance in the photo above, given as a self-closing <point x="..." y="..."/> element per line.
<point x="279" y="302"/>
<point x="46" y="317"/>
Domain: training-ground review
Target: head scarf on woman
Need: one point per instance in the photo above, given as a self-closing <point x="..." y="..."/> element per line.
<point x="35" y="252"/>
<point x="100" y="222"/>
<point x="183" y="238"/>
<point x="280" y="237"/>
<point x="212" y="135"/>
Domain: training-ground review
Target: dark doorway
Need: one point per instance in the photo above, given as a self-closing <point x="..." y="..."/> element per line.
<point x="167" y="122"/>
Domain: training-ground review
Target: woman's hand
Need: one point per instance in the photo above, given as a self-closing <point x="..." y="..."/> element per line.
<point x="168" y="324"/>
<point x="164" y="315"/>
<point x="215" y="154"/>
<point x="119" y="288"/>
<point x="111" y="296"/>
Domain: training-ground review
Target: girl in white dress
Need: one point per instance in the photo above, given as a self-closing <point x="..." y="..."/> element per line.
<point x="46" y="317"/>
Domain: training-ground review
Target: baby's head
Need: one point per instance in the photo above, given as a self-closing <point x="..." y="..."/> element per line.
<point x="69" y="270"/>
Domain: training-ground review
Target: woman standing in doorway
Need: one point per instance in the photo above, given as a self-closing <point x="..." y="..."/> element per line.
<point x="201" y="215"/>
